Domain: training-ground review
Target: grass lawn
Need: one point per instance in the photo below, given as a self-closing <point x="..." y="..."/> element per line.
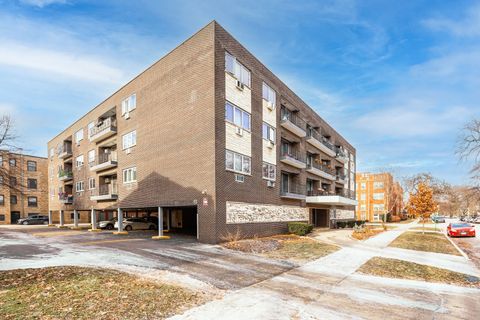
<point x="393" y="268"/>
<point x="427" y="228"/>
<point x="366" y="233"/>
<point x="88" y="293"/>
<point x="284" y="247"/>
<point x="430" y="242"/>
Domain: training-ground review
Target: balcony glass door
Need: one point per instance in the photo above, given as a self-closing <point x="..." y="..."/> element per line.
<point x="284" y="182"/>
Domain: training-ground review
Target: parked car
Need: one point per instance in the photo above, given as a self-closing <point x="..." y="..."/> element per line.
<point x="107" y="224"/>
<point x="37" y="219"/>
<point x="152" y="219"/>
<point x="460" y="229"/>
<point x="136" y="224"/>
<point x="476" y="220"/>
<point x="438" y="219"/>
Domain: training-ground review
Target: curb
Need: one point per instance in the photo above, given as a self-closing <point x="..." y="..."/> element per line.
<point x="457" y="247"/>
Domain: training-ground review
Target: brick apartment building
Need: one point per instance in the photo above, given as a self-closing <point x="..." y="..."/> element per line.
<point x="23" y="186"/>
<point x="212" y="137"/>
<point x="378" y="194"/>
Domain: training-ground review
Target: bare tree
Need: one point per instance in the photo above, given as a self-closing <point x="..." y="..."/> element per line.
<point x="468" y="146"/>
<point x="10" y="157"/>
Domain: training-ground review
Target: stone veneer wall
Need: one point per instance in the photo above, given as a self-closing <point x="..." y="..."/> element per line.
<point x="241" y="212"/>
<point x="342" y="214"/>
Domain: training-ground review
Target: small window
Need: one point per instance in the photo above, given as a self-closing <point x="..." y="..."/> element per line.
<point x="363" y="196"/>
<point x="269" y="94"/>
<point x="79" y="161"/>
<point x="32" y="201"/>
<point x="13" y="162"/>
<point x="90" y="126"/>
<point x="130" y="175"/>
<point x="237" y="162"/>
<point x="129" y="104"/>
<point x="32" y="183"/>
<point x="91" y="157"/>
<point x="31" y="166"/>
<point x="378" y="196"/>
<point x="237" y="116"/>
<point x="2" y="217"/>
<point x="52" y="152"/>
<point x="363" y="185"/>
<point x="1" y="161"/>
<point x="129" y="140"/>
<point x="269" y="171"/>
<point x="13" y="199"/>
<point x="2" y="199"/>
<point x="268" y="132"/>
<point x="13" y="181"/>
<point x="80" y="186"/>
<point x="79" y="136"/>
<point x="91" y="183"/>
<point x="378" y="185"/>
<point x="237" y="69"/>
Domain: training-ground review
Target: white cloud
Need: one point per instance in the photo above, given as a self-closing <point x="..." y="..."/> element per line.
<point x="467" y="27"/>
<point x="42" y="3"/>
<point x="62" y="63"/>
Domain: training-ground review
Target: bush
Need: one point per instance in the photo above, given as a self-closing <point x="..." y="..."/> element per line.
<point x="300" y="228"/>
<point x="350" y="224"/>
<point x="395" y="219"/>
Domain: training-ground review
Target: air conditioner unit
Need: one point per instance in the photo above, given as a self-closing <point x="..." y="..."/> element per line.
<point x="270" y="184"/>
<point x="239" y="178"/>
<point x="270" y="144"/>
<point x="240" y="86"/>
<point x="127" y="115"/>
<point x="239" y="131"/>
<point x="128" y="150"/>
<point x="270" y="106"/>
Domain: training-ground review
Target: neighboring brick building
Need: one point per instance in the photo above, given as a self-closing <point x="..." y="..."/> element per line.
<point x="212" y="136"/>
<point x="23" y="186"/>
<point x="378" y="194"/>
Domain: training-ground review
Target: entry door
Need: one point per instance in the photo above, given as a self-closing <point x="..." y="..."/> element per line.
<point x="14" y="216"/>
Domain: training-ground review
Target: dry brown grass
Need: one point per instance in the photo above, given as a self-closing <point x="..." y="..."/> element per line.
<point x="366" y="232"/>
<point x="429" y="242"/>
<point x="393" y="268"/>
<point x="284" y="247"/>
<point x="88" y="293"/>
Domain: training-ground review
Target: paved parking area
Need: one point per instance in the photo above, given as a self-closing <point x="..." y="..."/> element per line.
<point x="224" y="269"/>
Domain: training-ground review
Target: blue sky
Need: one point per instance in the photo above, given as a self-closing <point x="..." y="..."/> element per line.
<point x="397" y="79"/>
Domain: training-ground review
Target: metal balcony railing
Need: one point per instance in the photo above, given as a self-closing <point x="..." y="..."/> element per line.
<point x="108" y="123"/>
<point x="341" y="176"/>
<point x="312" y="133"/>
<point x="65" y="198"/>
<point x="107" y="189"/>
<point x="293" y="118"/>
<point x="294" y="188"/>
<point x="294" y="154"/>
<point x="64" y="148"/>
<point x="321" y="167"/>
<point x="106" y="157"/>
<point x="65" y="173"/>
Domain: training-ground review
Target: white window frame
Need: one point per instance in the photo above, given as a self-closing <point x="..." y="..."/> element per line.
<point x="79" y="135"/>
<point x="79" y="161"/>
<point x="91" y="183"/>
<point x="269" y="95"/>
<point x="91" y="159"/>
<point x="378" y="185"/>
<point x="129" y="140"/>
<point x="238" y="70"/>
<point x="129" y="104"/>
<point x="270" y="131"/>
<point x="79" y="186"/>
<point x="243" y="161"/>
<point x="363" y="196"/>
<point x="378" y="196"/>
<point x="363" y="185"/>
<point x="129" y="175"/>
<point x="242" y="112"/>
<point x="269" y="168"/>
<point x="52" y="152"/>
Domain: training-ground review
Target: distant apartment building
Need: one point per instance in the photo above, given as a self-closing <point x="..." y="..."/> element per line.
<point x="378" y="194"/>
<point x="212" y="137"/>
<point x="23" y="186"/>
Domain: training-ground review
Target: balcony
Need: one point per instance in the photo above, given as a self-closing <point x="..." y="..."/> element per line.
<point x="103" y="129"/>
<point x="343" y="198"/>
<point x="293" y="191"/>
<point x="65" y="151"/>
<point x="293" y="123"/>
<point x="65" y="198"/>
<point x="294" y="159"/>
<point x="321" y="143"/>
<point x="321" y="170"/>
<point x="65" y="175"/>
<point x="106" y="192"/>
<point x="341" y="178"/>
<point x="341" y="156"/>
<point x="104" y="161"/>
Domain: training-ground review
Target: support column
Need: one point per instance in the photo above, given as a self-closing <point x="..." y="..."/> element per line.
<point x="50" y="219"/>
<point x="160" y="226"/>
<point x="62" y="220"/>
<point x="93" y="215"/>
<point x="120" y="222"/>
<point x="75" y="220"/>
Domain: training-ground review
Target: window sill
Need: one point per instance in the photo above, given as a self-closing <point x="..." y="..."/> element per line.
<point x="237" y="126"/>
<point x="239" y="172"/>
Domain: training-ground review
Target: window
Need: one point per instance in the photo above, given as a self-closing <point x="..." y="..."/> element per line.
<point x="130" y="175"/>
<point x="363" y="185"/>
<point x="52" y="152"/>
<point x="79" y="136"/>
<point x="2" y="217"/>
<point x="129" y="104"/>
<point x="237" y="116"/>
<point x="1" y="161"/>
<point x="378" y="207"/>
<point x="79" y="186"/>
<point x="378" y="196"/>
<point x="2" y="199"/>
<point x="237" y="162"/>
<point x="129" y="140"/>
<point x="13" y="199"/>
<point x="79" y="161"/>
<point x="376" y="217"/>
<point x="32" y="201"/>
<point x="13" y="162"/>
<point x="269" y="94"/>
<point x="91" y="157"/>
<point x="363" y="207"/>
<point x="13" y="181"/>
<point x="237" y="69"/>
<point x="363" y="196"/>
<point x="378" y="185"/>
<point x="268" y="132"/>
<point x="269" y="171"/>
<point x="1" y="180"/>
<point x="32" y="183"/>
<point x="90" y="126"/>
<point x="31" y="166"/>
<point x="91" y="183"/>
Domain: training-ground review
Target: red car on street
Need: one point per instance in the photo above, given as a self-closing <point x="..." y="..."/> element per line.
<point x="461" y="229"/>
